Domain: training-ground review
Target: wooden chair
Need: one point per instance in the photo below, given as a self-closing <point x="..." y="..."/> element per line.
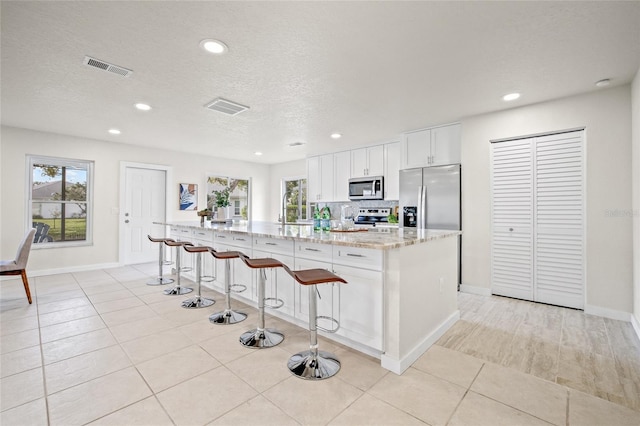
<point x="19" y="265"/>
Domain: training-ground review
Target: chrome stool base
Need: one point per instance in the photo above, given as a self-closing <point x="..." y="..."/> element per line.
<point x="160" y="281"/>
<point x="177" y="291"/>
<point x="258" y="339"/>
<point x="310" y="366"/>
<point x="227" y="317"/>
<point x="197" y="302"/>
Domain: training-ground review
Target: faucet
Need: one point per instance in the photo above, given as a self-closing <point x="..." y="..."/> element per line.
<point x="283" y="210"/>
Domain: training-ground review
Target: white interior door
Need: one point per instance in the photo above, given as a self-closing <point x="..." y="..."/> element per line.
<point x="144" y="203"/>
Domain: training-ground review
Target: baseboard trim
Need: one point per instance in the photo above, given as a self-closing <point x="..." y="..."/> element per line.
<point x="399" y="366"/>
<point x="636" y="325"/>
<point x="482" y="291"/>
<point x="607" y="313"/>
<point x="69" y="269"/>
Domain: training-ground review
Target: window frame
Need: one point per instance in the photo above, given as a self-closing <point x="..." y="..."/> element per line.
<point x="283" y="190"/>
<point x="231" y="206"/>
<point x="32" y="159"/>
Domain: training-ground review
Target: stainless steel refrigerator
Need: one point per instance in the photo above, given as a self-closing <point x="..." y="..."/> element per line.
<point x="430" y="199"/>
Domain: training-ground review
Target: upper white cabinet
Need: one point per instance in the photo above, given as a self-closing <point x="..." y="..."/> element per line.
<point x="392" y="153"/>
<point x="320" y="178"/>
<point x="367" y="161"/>
<point x="436" y="146"/>
<point x="342" y="166"/>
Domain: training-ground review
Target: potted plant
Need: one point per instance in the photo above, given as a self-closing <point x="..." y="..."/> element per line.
<point x="221" y="202"/>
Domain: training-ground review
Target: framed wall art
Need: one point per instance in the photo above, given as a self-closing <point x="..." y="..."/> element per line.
<point x="188" y="196"/>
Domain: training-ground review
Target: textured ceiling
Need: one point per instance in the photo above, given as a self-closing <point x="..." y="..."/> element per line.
<point x="369" y="70"/>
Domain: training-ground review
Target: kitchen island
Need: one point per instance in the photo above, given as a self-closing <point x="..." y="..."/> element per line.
<point x="402" y="284"/>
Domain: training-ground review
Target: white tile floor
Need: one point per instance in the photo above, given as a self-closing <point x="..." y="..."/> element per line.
<point x="102" y="347"/>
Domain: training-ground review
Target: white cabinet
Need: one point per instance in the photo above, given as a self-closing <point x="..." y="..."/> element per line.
<point x="279" y="284"/>
<point x="392" y="153"/>
<point x="240" y="273"/>
<point x="431" y="147"/>
<point x="342" y="166"/>
<point x="208" y="271"/>
<point x="367" y="161"/>
<point x="320" y="179"/>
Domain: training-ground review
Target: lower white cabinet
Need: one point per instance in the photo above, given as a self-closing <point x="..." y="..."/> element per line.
<point x="279" y="284"/>
<point x="240" y="273"/>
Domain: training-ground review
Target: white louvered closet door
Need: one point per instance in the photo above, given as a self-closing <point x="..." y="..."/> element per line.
<point x="559" y="220"/>
<point x="512" y="217"/>
<point x="538" y="219"/>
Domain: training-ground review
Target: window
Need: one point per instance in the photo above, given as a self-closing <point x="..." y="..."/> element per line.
<point x="295" y="198"/>
<point x="224" y="191"/>
<point x="60" y="200"/>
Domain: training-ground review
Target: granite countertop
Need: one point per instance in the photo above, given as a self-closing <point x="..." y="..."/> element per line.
<point x="376" y="238"/>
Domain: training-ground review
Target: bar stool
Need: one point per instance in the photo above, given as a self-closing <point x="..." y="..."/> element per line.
<point x="177" y="289"/>
<point x="198" y="301"/>
<point x="160" y="280"/>
<point x="261" y="337"/>
<point x="314" y="364"/>
<point x="228" y="316"/>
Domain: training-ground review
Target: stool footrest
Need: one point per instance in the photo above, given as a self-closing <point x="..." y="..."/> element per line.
<point x="207" y="278"/>
<point x="333" y="320"/>
<point x="237" y="288"/>
<point x="278" y="303"/>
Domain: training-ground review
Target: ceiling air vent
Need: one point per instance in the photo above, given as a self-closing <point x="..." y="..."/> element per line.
<point x="226" y="107"/>
<point x="105" y="66"/>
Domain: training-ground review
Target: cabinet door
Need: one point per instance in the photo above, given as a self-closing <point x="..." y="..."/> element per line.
<point x="240" y="273"/>
<point x="416" y="149"/>
<point x="302" y="292"/>
<point x="359" y="162"/>
<point x="342" y="163"/>
<point x="445" y="145"/>
<point x="326" y="178"/>
<point x="361" y="319"/>
<point x="313" y="178"/>
<point x="375" y="160"/>
<point x="392" y="171"/>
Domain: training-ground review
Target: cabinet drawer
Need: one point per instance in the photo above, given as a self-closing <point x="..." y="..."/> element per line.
<point x="321" y="252"/>
<point x="203" y="236"/>
<point x="237" y="240"/>
<point x="358" y="257"/>
<point x="181" y="234"/>
<point x="273" y="245"/>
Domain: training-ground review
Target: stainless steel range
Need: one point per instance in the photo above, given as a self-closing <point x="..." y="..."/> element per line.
<point x="373" y="216"/>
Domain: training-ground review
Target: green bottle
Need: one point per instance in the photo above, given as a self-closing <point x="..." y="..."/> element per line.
<point x="316" y="218"/>
<point x="326" y="219"/>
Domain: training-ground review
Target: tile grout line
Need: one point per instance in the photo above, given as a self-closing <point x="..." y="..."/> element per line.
<point x="465" y="393"/>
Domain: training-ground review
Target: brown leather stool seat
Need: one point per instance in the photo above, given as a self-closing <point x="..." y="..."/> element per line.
<point x="314" y="364"/>
<point x="261" y="337"/>
<point x="228" y="316"/>
<point x="160" y="280"/>
<point x="177" y="289"/>
<point x="198" y="301"/>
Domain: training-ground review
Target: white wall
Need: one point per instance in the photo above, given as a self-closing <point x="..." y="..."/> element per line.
<point x="635" y="123"/>
<point x="607" y="117"/>
<point x="186" y="168"/>
<point x="291" y="169"/>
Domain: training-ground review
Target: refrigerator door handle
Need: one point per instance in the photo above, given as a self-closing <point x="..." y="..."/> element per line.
<point x="422" y="208"/>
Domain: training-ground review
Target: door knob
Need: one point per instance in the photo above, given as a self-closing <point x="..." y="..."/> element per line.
<point x="510" y="229"/>
<point x="126" y="221"/>
<point x="126" y="214"/>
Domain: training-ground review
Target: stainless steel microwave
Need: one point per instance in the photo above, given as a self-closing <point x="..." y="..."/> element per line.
<point x="366" y="188"/>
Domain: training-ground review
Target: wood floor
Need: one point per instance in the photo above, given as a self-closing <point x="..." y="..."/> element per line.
<point x="595" y="355"/>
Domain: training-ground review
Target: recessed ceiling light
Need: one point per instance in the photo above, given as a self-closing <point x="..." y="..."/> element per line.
<point x="214" y="46"/>
<point x="511" y="97"/>
<point x="114" y="131"/>
<point x="258" y="153"/>
<point x="603" y="83"/>
<point x="336" y="135"/>
<point x="143" y="107"/>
